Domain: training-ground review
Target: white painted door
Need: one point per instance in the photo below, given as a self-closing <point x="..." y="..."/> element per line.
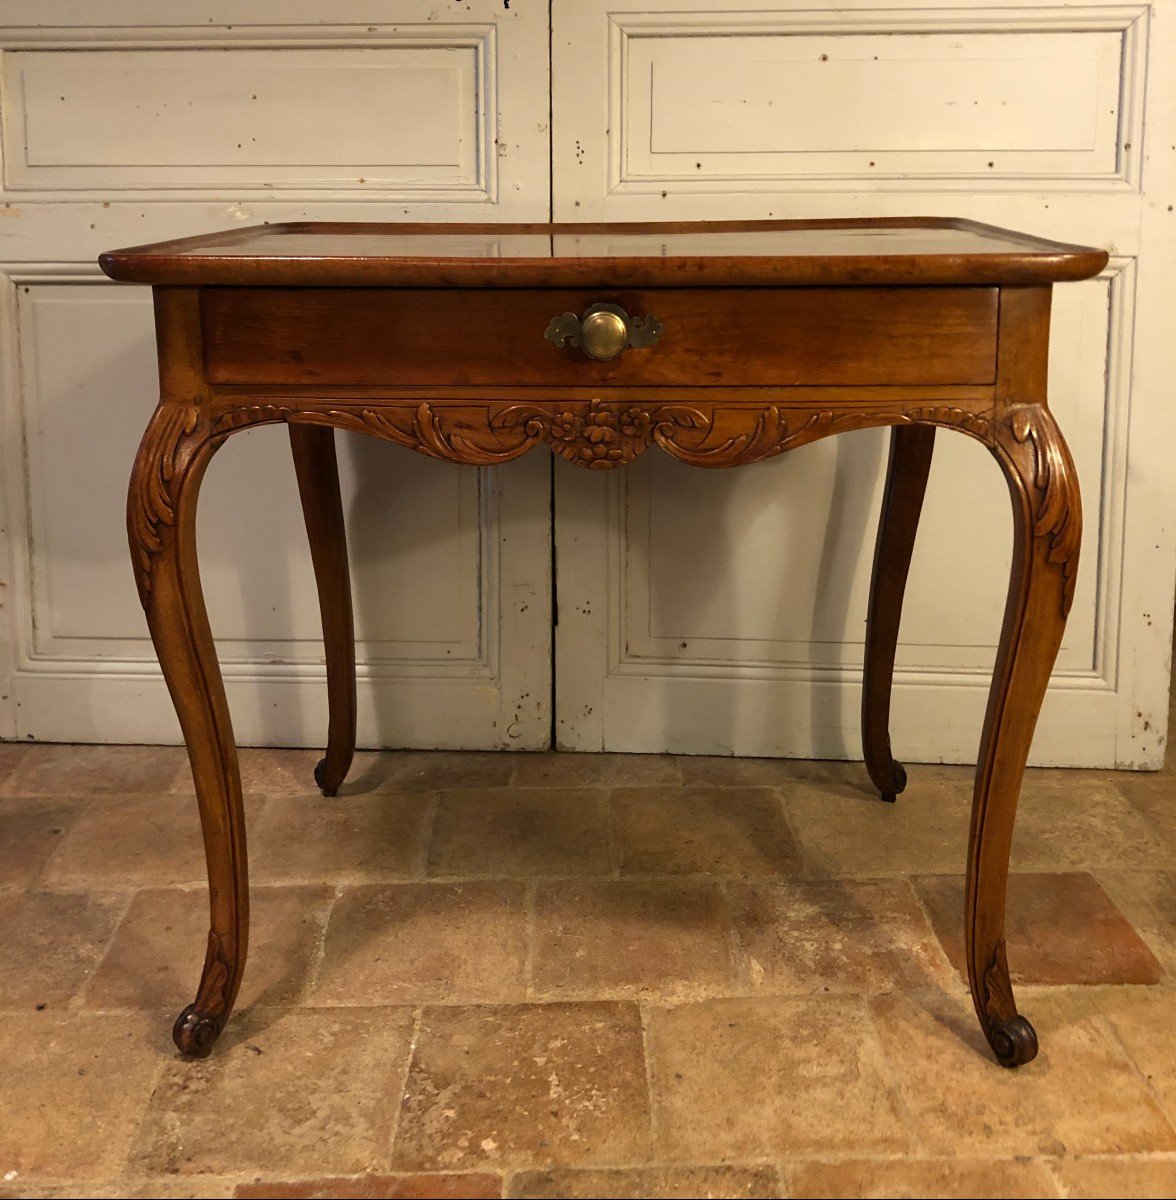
<point x="129" y="121"/>
<point x="719" y="612"/>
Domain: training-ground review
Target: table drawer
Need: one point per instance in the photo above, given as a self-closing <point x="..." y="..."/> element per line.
<point x="710" y="336"/>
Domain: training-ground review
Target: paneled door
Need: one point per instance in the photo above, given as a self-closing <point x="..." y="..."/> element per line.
<point x="724" y="612"/>
<point x="130" y="121"/>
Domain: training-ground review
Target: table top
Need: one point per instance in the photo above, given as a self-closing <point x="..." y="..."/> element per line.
<point x="877" y="251"/>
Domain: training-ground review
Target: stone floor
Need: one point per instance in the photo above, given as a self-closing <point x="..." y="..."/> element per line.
<point x="568" y="975"/>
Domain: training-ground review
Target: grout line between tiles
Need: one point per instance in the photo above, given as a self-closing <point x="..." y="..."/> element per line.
<point x="397" y="1108"/>
<point x="893" y="1082"/>
<point x="75" y="1003"/>
<point x="429" y="828"/>
<point x="318" y="955"/>
<point x="1050" y="1165"/>
<point x="610" y="834"/>
<point x="735" y="950"/>
<point x="1144" y="1078"/>
<point x="530" y="899"/>
<point x="647" y="1058"/>
<point x="953" y="973"/>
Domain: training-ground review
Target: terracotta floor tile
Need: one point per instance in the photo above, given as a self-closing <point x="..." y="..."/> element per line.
<point x="652" y="1183"/>
<point x="1148" y="900"/>
<point x="754" y="1078"/>
<point x="515" y="1084"/>
<point x="158" y="1188"/>
<point x="11" y="754"/>
<point x="165" y="1187"/>
<point x="1145" y="1023"/>
<point x="422" y="943"/>
<point x="319" y="1087"/>
<point x="50" y="943"/>
<point x="641" y="770"/>
<point x="932" y="1178"/>
<point x="707" y="831"/>
<point x="522" y="831"/>
<point x="1077" y="825"/>
<point x="1150" y="1178"/>
<point x="1062" y="928"/>
<point x="134" y="841"/>
<point x="443" y="770"/>
<point x="557" y="1092"/>
<point x="836" y="935"/>
<point x="65" y="770"/>
<point x="372" y="771"/>
<point x="278" y="771"/>
<point x="31" y="829"/>
<point x="633" y="939"/>
<point x="74" y="1086"/>
<point x="845" y="833"/>
<point x="1081" y="1095"/>
<point x="558" y="769"/>
<point x="1154" y="798"/>
<point x="316" y="839"/>
<point x="155" y="958"/>
<point x="378" y="1187"/>
<point x="700" y="770"/>
<point x="565" y="769"/>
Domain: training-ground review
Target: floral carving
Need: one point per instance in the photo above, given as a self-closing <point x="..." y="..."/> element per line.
<point x="153" y="489"/>
<point x="1055" y="485"/>
<point x="598" y="437"/>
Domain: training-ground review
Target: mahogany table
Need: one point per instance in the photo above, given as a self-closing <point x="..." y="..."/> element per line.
<point x="721" y="344"/>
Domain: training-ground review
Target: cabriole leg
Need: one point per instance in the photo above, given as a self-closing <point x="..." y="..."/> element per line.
<point x="1047" y="521"/>
<point x="313" y="448"/>
<point x="911" y="447"/>
<point x="161" y="520"/>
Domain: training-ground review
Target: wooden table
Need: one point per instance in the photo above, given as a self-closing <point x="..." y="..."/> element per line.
<point x="721" y="344"/>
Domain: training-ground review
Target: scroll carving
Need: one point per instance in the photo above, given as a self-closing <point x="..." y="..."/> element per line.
<point x="1054" y="485"/>
<point x="422" y="427"/>
<point x="1012" y="1038"/>
<point x="153" y="490"/>
<point x="599" y="434"/>
<point x="199" y="1025"/>
<point x="777" y="430"/>
<point x="998" y="991"/>
<point x="431" y="431"/>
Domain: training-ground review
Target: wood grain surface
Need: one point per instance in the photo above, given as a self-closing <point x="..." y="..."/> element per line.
<point x="881" y="250"/>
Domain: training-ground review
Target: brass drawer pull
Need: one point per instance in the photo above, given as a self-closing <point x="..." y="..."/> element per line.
<point x="603" y="331"/>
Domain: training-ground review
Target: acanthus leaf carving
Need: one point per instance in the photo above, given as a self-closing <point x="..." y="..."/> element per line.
<point x="775" y="431"/>
<point x="1054" y="518"/>
<point x="998" y="991"/>
<point x="153" y="493"/>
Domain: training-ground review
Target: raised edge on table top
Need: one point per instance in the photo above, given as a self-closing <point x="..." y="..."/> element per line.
<point x="872" y="251"/>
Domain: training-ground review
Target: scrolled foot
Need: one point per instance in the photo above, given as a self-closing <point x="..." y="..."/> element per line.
<point x="195" y="1033"/>
<point x="896" y="783"/>
<point x="1013" y="1042"/>
<point x="325" y="785"/>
